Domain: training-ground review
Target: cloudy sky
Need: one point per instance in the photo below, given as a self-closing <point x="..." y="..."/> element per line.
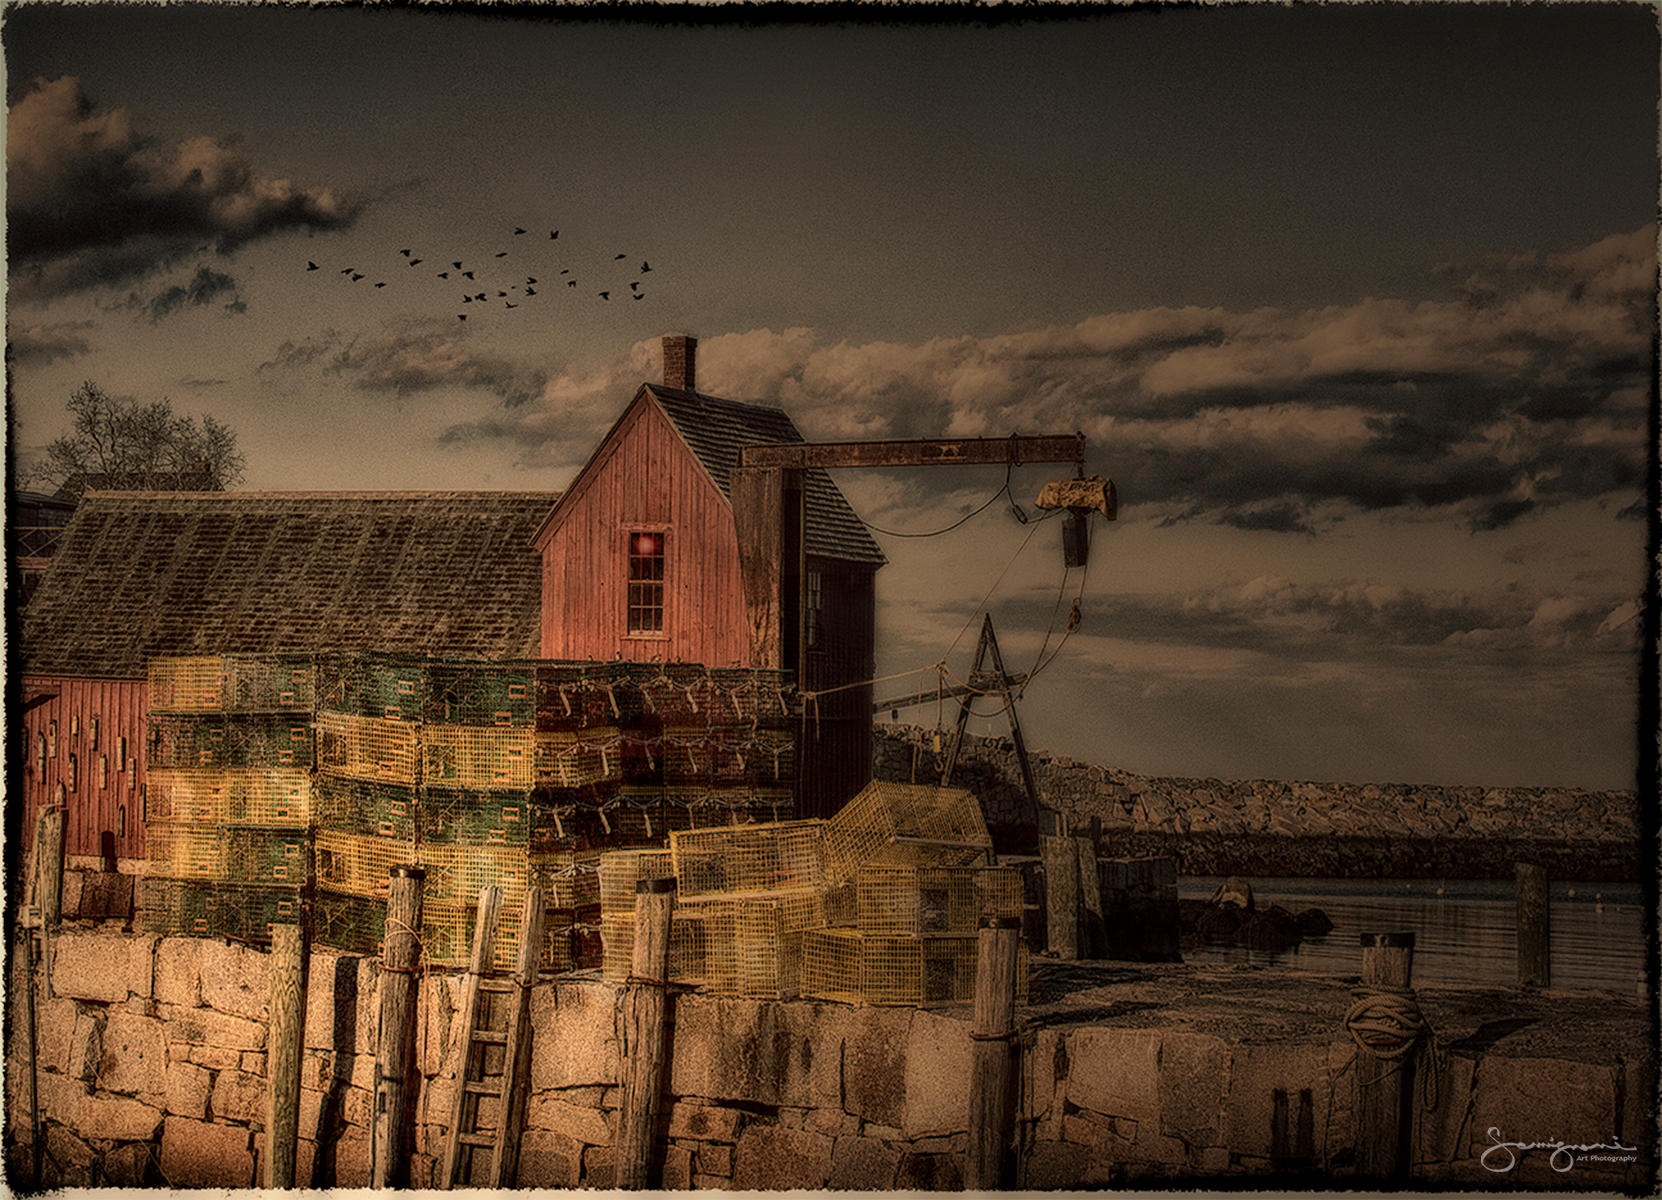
<point x="1355" y="304"/>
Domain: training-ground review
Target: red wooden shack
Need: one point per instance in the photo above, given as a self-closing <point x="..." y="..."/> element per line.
<point x="641" y="559"/>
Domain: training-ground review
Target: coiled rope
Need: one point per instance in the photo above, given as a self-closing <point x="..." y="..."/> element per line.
<point x="1386" y="1023"/>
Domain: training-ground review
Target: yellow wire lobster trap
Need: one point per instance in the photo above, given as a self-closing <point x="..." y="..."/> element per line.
<point x="748" y="946"/>
<point x="231" y="683"/>
<point x="687" y="945"/>
<point x="359" y="864"/>
<point x="570" y="879"/>
<point x="929" y="900"/>
<point x="775" y="857"/>
<point x="369" y="748"/>
<point x="853" y="967"/>
<point x="480" y="757"/>
<point x="268" y="796"/>
<point x="621" y="870"/>
<point x="447" y="935"/>
<point x="228" y="854"/>
<point x="455" y="873"/>
<point x="906" y="824"/>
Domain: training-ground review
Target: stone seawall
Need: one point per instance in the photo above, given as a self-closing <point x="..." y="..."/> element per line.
<point x="1271" y="827"/>
<point x="152" y="1071"/>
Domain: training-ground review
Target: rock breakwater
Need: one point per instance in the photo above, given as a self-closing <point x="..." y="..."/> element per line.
<point x="1299" y="828"/>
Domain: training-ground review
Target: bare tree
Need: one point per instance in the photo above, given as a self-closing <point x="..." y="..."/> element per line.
<point x="139" y="447"/>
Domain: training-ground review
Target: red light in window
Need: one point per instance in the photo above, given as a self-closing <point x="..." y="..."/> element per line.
<point x="645" y="544"/>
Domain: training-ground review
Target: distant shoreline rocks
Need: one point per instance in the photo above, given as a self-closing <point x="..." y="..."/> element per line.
<point x="1263" y="828"/>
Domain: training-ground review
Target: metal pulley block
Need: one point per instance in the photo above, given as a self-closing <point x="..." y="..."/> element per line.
<point x="1081" y="497"/>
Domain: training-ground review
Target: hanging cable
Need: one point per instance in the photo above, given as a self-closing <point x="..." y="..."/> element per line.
<point x="991" y="500"/>
<point x="1061" y="591"/>
<point x="1075" y="619"/>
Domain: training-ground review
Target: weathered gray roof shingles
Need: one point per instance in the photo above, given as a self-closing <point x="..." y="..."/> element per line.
<point x="716" y="428"/>
<point x="143" y="574"/>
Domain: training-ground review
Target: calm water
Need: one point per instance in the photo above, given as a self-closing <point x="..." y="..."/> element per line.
<point x="1467" y="935"/>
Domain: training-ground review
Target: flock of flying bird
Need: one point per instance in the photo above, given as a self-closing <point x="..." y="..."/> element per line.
<point x="496" y="290"/>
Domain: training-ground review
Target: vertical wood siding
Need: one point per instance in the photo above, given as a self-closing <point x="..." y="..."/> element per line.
<point x="645" y="479"/>
<point x="94" y="800"/>
<point x="836" y="743"/>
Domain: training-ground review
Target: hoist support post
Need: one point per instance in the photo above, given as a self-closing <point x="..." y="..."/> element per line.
<point x="767" y="510"/>
<point x="766" y="493"/>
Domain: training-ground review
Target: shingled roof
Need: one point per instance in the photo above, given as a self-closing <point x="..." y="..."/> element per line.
<point x="717" y="428"/>
<point x="144" y="574"/>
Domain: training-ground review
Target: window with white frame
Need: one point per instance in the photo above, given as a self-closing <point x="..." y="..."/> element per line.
<point x="646" y="581"/>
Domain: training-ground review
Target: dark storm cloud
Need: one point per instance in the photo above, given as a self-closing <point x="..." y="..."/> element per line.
<point x="417" y="358"/>
<point x="41" y="344"/>
<point x="1275" y="518"/>
<point x="1487" y="409"/>
<point x="1350" y="619"/>
<point x="292" y="354"/>
<point x="90" y="200"/>
<point x="205" y="287"/>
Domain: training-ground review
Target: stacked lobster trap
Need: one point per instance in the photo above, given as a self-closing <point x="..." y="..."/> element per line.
<point x="228" y="794"/>
<point x="513" y="774"/>
<point x="879" y="905"/>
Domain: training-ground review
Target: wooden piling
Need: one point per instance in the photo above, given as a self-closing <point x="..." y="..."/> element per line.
<point x="992" y="1069"/>
<point x="283" y="1043"/>
<point x="26" y="989"/>
<point x="1384" y="1098"/>
<point x="50" y="863"/>
<point x="395" y="1043"/>
<point x="1093" y="933"/>
<point x="1534" y="927"/>
<point x="645" y="1002"/>
<point x="1061" y="864"/>
<point x="49" y="839"/>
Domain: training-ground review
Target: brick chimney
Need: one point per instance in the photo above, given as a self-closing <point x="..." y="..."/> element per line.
<point x="681" y="361"/>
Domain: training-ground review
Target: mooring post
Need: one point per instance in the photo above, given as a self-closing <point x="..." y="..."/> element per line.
<point x="992" y="1069"/>
<point x="1387" y="1012"/>
<point x="1534" y="927"/>
<point x="49" y="890"/>
<point x="26" y="989"/>
<point x="1093" y="931"/>
<point x="645" y="1000"/>
<point x="395" y="1043"/>
<point x="50" y="862"/>
<point x="1061" y="864"/>
<point x="283" y="1041"/>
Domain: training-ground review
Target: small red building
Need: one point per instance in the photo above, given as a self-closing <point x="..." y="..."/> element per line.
<point x="638" y="559"/>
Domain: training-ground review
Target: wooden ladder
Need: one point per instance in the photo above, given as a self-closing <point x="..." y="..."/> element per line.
<point x="492" y="1082"/>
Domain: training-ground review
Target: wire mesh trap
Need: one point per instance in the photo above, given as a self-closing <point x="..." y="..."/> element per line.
<point x="271" y="796"/>
<point x="926" y="900"/>
<point x="905" y="824"/>
<point x="748" y="858"/>
<point x="852" y="967"/>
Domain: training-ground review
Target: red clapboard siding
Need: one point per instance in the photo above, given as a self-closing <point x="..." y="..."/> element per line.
<point x="95" y="801"/>
<point x="643" y="477"/>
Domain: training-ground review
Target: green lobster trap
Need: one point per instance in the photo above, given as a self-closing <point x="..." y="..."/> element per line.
<point x="496" y="695"/>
